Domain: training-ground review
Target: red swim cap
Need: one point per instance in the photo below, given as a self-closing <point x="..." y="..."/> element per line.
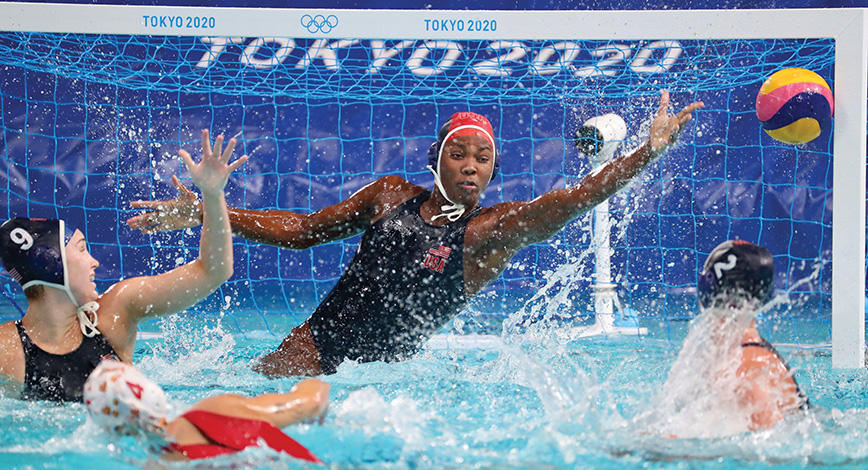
<point x="464" y="123"/>
<point x="480" y="126"/>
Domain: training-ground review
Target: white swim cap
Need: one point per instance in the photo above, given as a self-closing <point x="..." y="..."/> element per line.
<point x="121" y="398"/>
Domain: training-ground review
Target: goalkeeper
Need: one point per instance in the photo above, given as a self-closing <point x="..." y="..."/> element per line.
<point x="424" y="253"/>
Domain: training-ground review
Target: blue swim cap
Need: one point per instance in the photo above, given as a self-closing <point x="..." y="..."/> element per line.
<point x="33" y="251"/>
<point x="736" y="269"/>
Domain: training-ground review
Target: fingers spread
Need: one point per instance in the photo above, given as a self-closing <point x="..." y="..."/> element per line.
<point x="141" y="221"/>
<point x="234" y="165"/>
<point x="180" y="186"/>
<point x="218" y="146"/>
<point x="230" y="147"/>
<point x="664" y="102"/>
<point x="146" y="204"/>
<point x="206" y="142"/>
<point x="187" y="160"/>
<point x="135" y="222"/>
<point x="687" y="111"/>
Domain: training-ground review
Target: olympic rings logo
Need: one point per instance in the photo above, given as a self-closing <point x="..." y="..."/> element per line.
<point x="319" y="23"/>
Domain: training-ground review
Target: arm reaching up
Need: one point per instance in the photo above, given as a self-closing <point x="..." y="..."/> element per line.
<point x="180" y="288"/>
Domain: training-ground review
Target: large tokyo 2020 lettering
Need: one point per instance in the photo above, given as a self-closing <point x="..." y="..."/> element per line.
<point x="608" y="60"/>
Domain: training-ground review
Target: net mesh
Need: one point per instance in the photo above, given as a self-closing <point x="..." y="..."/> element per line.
<point x="92" y="122"/>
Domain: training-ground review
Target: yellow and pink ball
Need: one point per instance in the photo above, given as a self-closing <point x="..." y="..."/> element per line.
<point x="795" y="105"/>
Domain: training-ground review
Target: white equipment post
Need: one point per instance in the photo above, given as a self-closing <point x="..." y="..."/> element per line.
<point x="605" y="134"/>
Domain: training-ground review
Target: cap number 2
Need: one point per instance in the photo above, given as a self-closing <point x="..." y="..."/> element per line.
<point x="20" y="236"/>
<point x="720" y="266"/>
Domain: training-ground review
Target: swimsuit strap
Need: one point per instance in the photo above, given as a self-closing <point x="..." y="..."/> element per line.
<point x="60" y="377"/>
<point x="762" y="343"/>
<point x="26" y="342"/>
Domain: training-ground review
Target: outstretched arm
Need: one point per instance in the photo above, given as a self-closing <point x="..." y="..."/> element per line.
<point x="523" y="223"/>
<point x="185" y="285"/>
<point x="279" y="227"/>
<point x="307" y="400"/>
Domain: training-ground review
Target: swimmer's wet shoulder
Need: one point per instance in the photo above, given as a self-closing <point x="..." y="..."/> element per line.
<point x="60" y="338"/>
<point x="11" y="360"/>
<point x="762" y="362"/>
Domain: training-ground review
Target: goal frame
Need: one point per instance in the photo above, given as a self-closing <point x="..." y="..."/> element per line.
<point x="846" y="26"/>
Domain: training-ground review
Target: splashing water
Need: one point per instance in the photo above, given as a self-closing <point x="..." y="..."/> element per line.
<point x="539" y="321"/>
<point x="699" y="396"/>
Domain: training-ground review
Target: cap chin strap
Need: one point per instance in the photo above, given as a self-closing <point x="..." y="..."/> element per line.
<point x="452" y="212"/>
<point x="88" y="327"/>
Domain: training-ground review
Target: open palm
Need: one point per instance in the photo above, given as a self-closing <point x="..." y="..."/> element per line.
<point x="211" y="174"/>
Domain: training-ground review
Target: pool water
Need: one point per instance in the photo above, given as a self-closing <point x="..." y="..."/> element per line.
<point x="532" y="399"/>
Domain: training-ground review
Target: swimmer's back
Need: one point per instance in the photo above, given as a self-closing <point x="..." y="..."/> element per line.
<point x="761" y="359"/>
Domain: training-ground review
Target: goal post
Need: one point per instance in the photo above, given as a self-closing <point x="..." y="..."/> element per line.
<point x="848" y="223"/>
<point x="330" y="30"/>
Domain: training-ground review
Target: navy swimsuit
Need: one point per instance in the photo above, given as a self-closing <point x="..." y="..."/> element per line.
<point x="60" y="377"/>
<point x="404" y="283"/>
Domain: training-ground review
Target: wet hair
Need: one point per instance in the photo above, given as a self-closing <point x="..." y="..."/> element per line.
<point x="34" y="292"/>
<point x="736" y="270"/>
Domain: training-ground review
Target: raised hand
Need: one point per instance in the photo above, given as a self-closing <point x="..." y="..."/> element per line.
<point x="173" y="214"/>
<point x="211" y="174"/>
<point x="666" y="128"/>
<point x="185" y="211"/>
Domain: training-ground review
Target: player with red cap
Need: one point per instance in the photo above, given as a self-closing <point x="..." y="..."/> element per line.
<point x="122" y="400"/>
<point x="424" y="253"/>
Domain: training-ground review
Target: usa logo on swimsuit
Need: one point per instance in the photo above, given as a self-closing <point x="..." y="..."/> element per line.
<point x="436" y="258"/>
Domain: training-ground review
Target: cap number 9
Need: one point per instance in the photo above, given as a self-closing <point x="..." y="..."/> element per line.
<point x="21" y="237"/>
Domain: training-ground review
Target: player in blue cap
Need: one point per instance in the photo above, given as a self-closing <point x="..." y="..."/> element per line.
<point x="68" y="327"/>
<point x="726" y="369"/>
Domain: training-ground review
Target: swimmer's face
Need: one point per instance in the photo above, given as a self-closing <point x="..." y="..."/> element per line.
<point x="137" y="429"/>
<point x="466" y="165"/>
<point x="82" y="269"/>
